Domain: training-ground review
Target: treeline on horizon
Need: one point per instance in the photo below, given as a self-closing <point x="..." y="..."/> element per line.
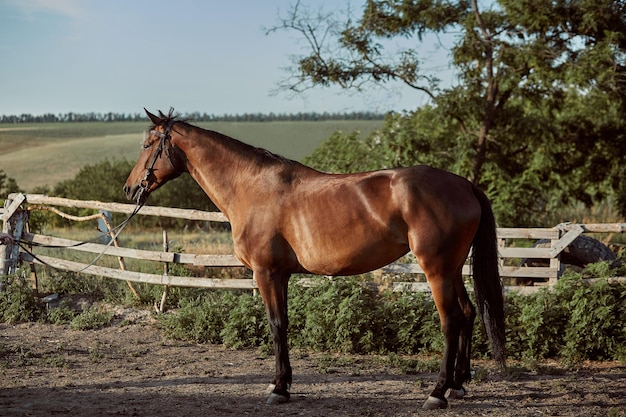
<point x="193" y="116"/>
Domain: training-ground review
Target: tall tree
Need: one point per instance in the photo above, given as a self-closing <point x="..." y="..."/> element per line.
<point x="527" y="70"/>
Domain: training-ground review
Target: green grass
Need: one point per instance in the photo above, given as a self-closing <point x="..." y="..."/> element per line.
<point x="37" y="155"/>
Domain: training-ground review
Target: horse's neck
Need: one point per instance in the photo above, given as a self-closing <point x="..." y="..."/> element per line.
<point x="219" y="164"/>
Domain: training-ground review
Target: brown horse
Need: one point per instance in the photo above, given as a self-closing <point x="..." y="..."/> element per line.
<point x="288" y="218"/>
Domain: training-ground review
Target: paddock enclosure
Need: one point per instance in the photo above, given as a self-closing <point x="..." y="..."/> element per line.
<point x="18" y="206"/>
<point x="129" y="368"/>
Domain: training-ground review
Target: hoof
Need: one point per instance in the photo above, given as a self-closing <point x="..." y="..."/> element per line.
<point x="457" y="394"/>
<point x="434" y="403"/>
<point x="276" y="399"/>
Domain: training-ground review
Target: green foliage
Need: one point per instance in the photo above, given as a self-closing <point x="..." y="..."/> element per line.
<point x="246" y="324"/>
<point x="103" y="181"/>
<point x="592" y="332"/>
<point x="200" y="319"/>
<point x="341" y="152"/>
<point x="91" y="318"/>
<point x="8" y="185"/>
<point x="17" y="302"/>
<point x="63" y="314"/>
<point x="537" y="120"/>
<point x="65" y="282"/>
<point x="415" y="327"/>
<point x="574" y="320"/>
<point x="339" y="315"/>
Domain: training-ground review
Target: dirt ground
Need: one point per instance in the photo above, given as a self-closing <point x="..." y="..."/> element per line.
<point x="131" y="369"/>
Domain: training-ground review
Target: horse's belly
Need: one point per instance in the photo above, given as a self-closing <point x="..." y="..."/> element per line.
<point x="351" y="259"/>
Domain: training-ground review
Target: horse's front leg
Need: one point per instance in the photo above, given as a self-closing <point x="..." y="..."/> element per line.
<point x="273" y="288"/>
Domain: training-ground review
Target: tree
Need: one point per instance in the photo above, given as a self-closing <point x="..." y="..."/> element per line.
<point x="522" y="117"/>
<point x="8" y="185"/>
<point x="103" y="182"/>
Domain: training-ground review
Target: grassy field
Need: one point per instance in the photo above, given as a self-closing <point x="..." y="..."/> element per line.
<point x="44" y="154"/>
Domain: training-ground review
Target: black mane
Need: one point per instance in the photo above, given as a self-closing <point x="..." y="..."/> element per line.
<point x="261" y="153"/>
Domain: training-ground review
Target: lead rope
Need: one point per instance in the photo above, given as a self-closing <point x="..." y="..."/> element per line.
<point x="163" y="137"/>
<point x="118" y="229"/>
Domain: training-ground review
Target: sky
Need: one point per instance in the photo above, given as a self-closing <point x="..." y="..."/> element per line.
<point x="60" y="56"/>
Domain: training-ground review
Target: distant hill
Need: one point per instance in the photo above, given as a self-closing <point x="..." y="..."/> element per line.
<point x="39" y="154"/>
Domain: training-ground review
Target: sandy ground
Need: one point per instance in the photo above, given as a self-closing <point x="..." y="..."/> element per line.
<point x="132" y="370"/>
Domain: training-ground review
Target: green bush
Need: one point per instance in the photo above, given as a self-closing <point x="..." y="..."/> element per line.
<point x="17" y="303"/>
<point x="200" y="319"/>
<point x="340" y="315"/>
<point x="574" y="320"/>
<point x="597" y="325"/>
<point x="246" y="324"/>
<point x="413" y="323"/>
<point x="91" y="318"/>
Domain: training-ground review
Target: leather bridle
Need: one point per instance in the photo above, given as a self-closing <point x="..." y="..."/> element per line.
<point x="165" y="143"/>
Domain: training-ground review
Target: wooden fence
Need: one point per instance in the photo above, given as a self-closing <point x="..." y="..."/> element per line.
<point x="15" y="221"/>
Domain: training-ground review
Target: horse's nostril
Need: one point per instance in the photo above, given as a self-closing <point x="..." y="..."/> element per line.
<point x="128" y="191"/>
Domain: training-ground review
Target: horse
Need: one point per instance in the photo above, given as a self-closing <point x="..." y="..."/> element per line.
<point x="288" y="218"/>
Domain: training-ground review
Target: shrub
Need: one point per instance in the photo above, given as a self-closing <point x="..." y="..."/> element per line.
<point x="17" y="302"/>
<point x="200" y="319"/>
<point x="340" y="315"/>
<point x="412" y="323"/>
<point x="597" y="324"/>
<point x="91" y="319"/>
<point x="63" y="314"/>
<point x="573" y="320"/>
<point x="247" y="324"/>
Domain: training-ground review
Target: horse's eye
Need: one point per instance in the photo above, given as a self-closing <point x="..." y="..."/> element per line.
<point x="145" y="146"/>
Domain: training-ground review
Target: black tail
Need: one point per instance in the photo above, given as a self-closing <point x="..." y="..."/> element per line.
<point x="487" y="283"/>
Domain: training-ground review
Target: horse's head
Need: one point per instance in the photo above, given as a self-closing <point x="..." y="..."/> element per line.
<point x="158" y="162"/>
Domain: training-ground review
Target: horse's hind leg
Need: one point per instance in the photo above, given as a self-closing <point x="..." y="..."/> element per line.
<point x="452" y="321"/>
<point x="462" y="371"/>
<point x="273" y="289"/>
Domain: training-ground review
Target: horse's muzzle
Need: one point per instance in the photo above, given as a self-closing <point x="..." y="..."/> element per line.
<point x="135" y="192"/>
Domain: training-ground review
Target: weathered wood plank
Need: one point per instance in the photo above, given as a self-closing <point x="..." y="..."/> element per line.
<point x="17" y="200"/>
<point x="100" y="248"/>
<point x="522" y="233"/>
<point x="207" y="260"/>
<point x="140" y="276"/>
<point x="600" y="227"/>
<point x="528" y="272"/>
<point x="543" y="253"/>
<point x="146" y="255"/>
<point x="558" y="246"/>
<point x="127" y="208"/>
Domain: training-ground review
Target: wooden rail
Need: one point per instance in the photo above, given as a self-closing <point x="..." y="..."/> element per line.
<point x="16" y="206"/>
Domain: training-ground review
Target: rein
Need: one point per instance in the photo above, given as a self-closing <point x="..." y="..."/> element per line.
<point x="162" y="148"/>
<point x="118" y="229"/>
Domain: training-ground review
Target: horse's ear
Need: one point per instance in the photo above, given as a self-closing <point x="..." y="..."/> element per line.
<point x="155" y="119"/>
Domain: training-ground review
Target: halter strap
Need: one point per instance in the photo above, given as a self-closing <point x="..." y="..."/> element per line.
<point x="164" y="137"/>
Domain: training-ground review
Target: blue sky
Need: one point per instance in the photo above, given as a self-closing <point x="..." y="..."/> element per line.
<point x="209" y="56"/>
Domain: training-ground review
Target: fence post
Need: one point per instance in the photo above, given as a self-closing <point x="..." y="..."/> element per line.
<point x="555" y="262"/>
<point x="166" y="270"/>
<point x="12" y="223"/>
